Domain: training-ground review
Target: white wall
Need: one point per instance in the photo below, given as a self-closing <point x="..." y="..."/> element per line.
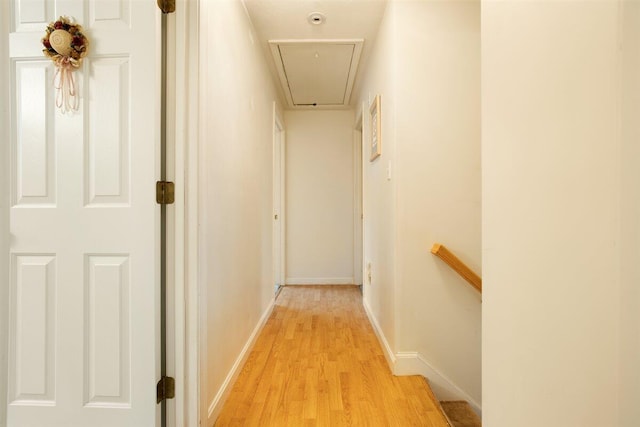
<point x="630" y="222"/>
<point x="438" y="179"/>
<point x="551" y="213"/>
<point x="379" y="78"/>
<point x="426" y="65"/>
<point x="235" y="200"/>
<point x="319" y="197"/>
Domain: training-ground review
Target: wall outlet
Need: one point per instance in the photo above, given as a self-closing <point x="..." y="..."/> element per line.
<point x="369" y="273"/>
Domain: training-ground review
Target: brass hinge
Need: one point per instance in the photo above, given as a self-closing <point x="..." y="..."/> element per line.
<point x="167" y="6"/>
<point x="166" y="389"/>
<point x="165" y="191"/>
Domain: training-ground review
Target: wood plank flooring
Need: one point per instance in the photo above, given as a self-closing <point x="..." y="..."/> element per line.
<point x="318" y="362"/>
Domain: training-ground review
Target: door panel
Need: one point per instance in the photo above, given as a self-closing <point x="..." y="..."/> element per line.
<point x="33" y="139"/>
<point x="107" y="344"/>
<point x="84" y="262"/>
<point x="107" y="145"/>
<point x="34" y="283"/>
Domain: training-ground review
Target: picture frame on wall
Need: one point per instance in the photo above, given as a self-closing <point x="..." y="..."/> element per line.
<point x="376" y="134"/>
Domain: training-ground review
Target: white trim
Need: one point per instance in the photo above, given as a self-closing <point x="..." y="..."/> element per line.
<point x="319" y="281"/>
<point x="358" y="228"/>
<point x="174" y="287"/>
<point x="362" y="124"/>
<point x="413" y="363"/>
<point x="4" y="206"/>
<point x="358" y="123"/>
<point x="187" y="313"/>
<point x="217" y="403"/>
<point x="405" y="363"/>
<point x="386" y="348"/>
<point x="278" y="129"/>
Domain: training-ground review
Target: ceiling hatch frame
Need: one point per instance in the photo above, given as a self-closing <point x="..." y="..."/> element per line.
<point x="276" y="52"/>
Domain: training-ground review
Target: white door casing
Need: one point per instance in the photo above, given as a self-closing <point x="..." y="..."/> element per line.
<point x="358" y="215"/>
<point x="278" y="199"/>
<point x="4" y="207"/>
<point x="185" y="210"/>
<point x="84" y="226"/>
<point x="357" y="206"/>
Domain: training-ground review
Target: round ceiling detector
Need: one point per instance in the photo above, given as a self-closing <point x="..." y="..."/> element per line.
<point x="316" y="18"/>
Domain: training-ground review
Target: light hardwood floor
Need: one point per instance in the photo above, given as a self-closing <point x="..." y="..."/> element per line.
<point x="318" y="362"/>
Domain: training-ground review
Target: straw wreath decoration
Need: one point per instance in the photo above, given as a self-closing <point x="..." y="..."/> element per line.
<point x="65" y="44"/>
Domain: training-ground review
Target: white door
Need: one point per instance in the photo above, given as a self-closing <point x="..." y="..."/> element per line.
<point x="278" y="202"/>
<point x="84" y="264"/>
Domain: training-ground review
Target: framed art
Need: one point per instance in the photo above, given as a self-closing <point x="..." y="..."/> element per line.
<point x="376" y="135"/>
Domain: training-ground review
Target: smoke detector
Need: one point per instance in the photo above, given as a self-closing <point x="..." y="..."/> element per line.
<point x="316" y="18"/>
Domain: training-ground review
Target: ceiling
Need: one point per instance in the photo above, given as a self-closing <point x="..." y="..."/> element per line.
<point x="316" y="71"/>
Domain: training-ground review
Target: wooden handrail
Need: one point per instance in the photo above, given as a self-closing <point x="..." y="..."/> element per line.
<point x="458" y="266"/>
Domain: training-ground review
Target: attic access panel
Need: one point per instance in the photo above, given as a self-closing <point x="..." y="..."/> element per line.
<point x="317" y="72"/>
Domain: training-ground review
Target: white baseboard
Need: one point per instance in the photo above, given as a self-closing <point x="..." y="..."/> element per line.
<point x="413" y="363"/>
<point x="386" y="348"/>
<point x="218" y="401"/>
<point x="319" y="281"/>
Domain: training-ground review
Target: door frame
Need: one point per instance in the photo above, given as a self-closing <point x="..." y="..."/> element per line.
<point x="278" y="128"/>
<point x="186" y="333"/>
<point x="185" y="214"/>
<point x="358" y="201"/>
<point x="4" y="209"/>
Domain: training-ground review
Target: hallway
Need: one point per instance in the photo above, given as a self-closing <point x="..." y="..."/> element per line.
<point x="318" y="362"/>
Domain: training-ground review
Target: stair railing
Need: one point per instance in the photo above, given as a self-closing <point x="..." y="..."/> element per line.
<point x="458" y="266"/>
